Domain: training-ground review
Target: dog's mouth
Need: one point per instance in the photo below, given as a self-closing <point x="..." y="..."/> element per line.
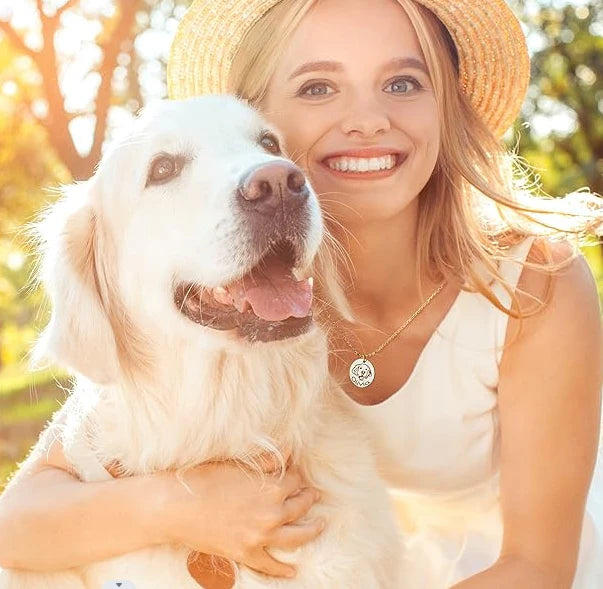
<point x="266" y="304"/>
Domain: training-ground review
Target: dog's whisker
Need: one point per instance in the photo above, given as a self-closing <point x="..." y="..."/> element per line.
<point x="333" y="221"/>
<point x="334" y="246"/>
<point x="186" y="295"/>
<point x="330" y="192"/>
<point x="296" y="155"/>
<point x="342" y="204"/>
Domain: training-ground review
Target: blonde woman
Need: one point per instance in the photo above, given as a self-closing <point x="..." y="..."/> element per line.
<point x="470" y="326"/>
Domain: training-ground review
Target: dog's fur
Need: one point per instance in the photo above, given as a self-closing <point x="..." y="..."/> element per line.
<point x="156" y="391"/>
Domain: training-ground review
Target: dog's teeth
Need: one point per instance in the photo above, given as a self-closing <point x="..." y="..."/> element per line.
<point x="222" y="295"/>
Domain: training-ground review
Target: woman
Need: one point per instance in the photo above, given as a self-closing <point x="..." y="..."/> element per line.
<point x="487" y="432"/>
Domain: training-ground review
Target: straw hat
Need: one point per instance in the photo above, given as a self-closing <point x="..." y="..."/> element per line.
<point x="493" y="56"/>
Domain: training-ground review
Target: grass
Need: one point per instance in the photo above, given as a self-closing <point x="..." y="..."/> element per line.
<point x="15" y="379"/>
<point x="27" y="401"/>
<point x="27" y="411"/>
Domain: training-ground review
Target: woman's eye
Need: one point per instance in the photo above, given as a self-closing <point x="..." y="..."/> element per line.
<point x="403" y="85"/>
<point x="314" y="90"/>
<point x="270" y="143"/>
<point x="164" y="168"/>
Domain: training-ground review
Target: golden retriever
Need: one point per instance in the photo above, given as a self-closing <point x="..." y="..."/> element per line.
<point x="180" y="282"/>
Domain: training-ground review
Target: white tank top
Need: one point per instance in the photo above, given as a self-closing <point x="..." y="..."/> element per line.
<point x="437" y="446"/>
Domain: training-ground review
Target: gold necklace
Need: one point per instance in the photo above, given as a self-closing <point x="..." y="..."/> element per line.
<point x="362" y="372"/>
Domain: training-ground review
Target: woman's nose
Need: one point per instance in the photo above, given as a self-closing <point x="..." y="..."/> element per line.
<point x="367" y="118"/>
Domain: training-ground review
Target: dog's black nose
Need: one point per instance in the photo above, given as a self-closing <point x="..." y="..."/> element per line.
<point x="277" y="186"/>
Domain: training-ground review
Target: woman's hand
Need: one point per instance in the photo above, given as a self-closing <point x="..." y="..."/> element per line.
<point x="237" y="513"/>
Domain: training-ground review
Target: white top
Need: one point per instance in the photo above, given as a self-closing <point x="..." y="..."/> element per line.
<point x="437" y="439"/>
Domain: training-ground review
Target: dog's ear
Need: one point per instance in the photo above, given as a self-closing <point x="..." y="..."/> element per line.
<point x="74" y="266"/>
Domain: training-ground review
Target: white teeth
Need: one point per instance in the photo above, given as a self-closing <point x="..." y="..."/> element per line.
<point x="353" y="164"/>
<point x="222" y="295"/>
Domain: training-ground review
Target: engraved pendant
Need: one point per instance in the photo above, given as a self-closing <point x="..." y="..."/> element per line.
<point x="362" y="372"/>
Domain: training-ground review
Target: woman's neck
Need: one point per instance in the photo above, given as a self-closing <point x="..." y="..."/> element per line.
<point x="383" y="257"/>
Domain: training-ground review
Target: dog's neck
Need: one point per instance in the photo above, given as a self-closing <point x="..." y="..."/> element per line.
<point x="220" y="404"/>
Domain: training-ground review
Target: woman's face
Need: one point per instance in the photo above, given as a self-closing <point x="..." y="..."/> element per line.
<point x="369" y="97"/>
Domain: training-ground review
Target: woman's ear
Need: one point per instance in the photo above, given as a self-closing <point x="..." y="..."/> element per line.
<point x="76" y="263"/>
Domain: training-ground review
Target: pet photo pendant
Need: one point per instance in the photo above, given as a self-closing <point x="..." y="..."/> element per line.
<point x="362" y="373"/>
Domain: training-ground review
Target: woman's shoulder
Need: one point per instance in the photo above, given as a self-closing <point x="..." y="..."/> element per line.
<point x="561" y="265"/>
<point x="556" y="288"/>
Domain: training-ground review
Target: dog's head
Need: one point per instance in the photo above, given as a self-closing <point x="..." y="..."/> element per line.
<point x="361" y="371"/>
<point x="194" y="224"/>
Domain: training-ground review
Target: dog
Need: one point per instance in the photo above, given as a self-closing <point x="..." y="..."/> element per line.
<point x="180" y="281"/>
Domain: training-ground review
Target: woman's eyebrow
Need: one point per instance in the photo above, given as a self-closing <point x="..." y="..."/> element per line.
<point x="398" y="63"/>
<point x="314" y="66"/>
<point x="335" y="66"/>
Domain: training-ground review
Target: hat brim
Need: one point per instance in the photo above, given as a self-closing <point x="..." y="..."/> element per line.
<point x="493" y="57"/>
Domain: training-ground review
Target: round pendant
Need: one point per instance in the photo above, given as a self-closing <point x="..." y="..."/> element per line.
<point x="362" y="372"/>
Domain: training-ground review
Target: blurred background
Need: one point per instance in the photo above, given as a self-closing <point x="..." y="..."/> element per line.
<point x="72" y="71"/>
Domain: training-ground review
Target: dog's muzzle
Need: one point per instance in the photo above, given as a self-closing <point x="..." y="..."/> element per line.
<point x="268" y="303"/>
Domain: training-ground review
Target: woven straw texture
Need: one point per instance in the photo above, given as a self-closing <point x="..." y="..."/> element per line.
<point x="494" y="61"/>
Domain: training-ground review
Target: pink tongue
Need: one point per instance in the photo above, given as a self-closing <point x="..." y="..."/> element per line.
<point x="272" y="292"/>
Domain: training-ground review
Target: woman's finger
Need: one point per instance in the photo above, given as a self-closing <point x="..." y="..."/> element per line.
<point x="264" y="563"/>
<point x="296" y="506"/>
<point x="292" y="484"/>
<point x="293" y="536"/>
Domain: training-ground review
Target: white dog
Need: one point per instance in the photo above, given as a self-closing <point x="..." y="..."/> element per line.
<point x="179" y="281"/>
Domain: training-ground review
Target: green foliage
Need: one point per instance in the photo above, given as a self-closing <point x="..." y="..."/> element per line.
<point x="27" y="164"/>
<point x="22" y="309"/>
<point x="565" y="96"/>
<point x="561" y="126"/>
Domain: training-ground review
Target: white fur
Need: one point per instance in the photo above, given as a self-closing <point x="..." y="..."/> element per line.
<point x="191" y="394"/>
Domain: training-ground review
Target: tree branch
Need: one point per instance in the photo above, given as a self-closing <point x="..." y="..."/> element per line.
<point x="57" y="121"/>
<point x="16" y="39"/>
<point x="134" y="81"/>
<point x="67" y="6"/>
<point x="111" y="50"/>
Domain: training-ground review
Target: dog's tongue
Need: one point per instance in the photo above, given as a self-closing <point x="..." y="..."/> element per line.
<point x="272" y="292"/>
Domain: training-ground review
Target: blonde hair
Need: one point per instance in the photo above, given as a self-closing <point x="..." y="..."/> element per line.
<point x="479" y="200"/>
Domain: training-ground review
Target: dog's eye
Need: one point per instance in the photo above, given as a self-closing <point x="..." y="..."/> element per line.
<point x="270" y="142"/>
<point x="163" y="168"/>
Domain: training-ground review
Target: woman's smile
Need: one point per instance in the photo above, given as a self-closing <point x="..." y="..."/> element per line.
<point x="364" y="168"/>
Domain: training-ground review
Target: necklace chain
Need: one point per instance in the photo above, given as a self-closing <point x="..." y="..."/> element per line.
<point x="400" y="329"/>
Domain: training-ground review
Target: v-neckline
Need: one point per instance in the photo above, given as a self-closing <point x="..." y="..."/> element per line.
<point x="442" y="325"/>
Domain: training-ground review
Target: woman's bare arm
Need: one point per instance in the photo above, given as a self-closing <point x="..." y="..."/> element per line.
<point x="73" y="522"/>
<point x="550" y="408"/>
<point x="50" y="520"/>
